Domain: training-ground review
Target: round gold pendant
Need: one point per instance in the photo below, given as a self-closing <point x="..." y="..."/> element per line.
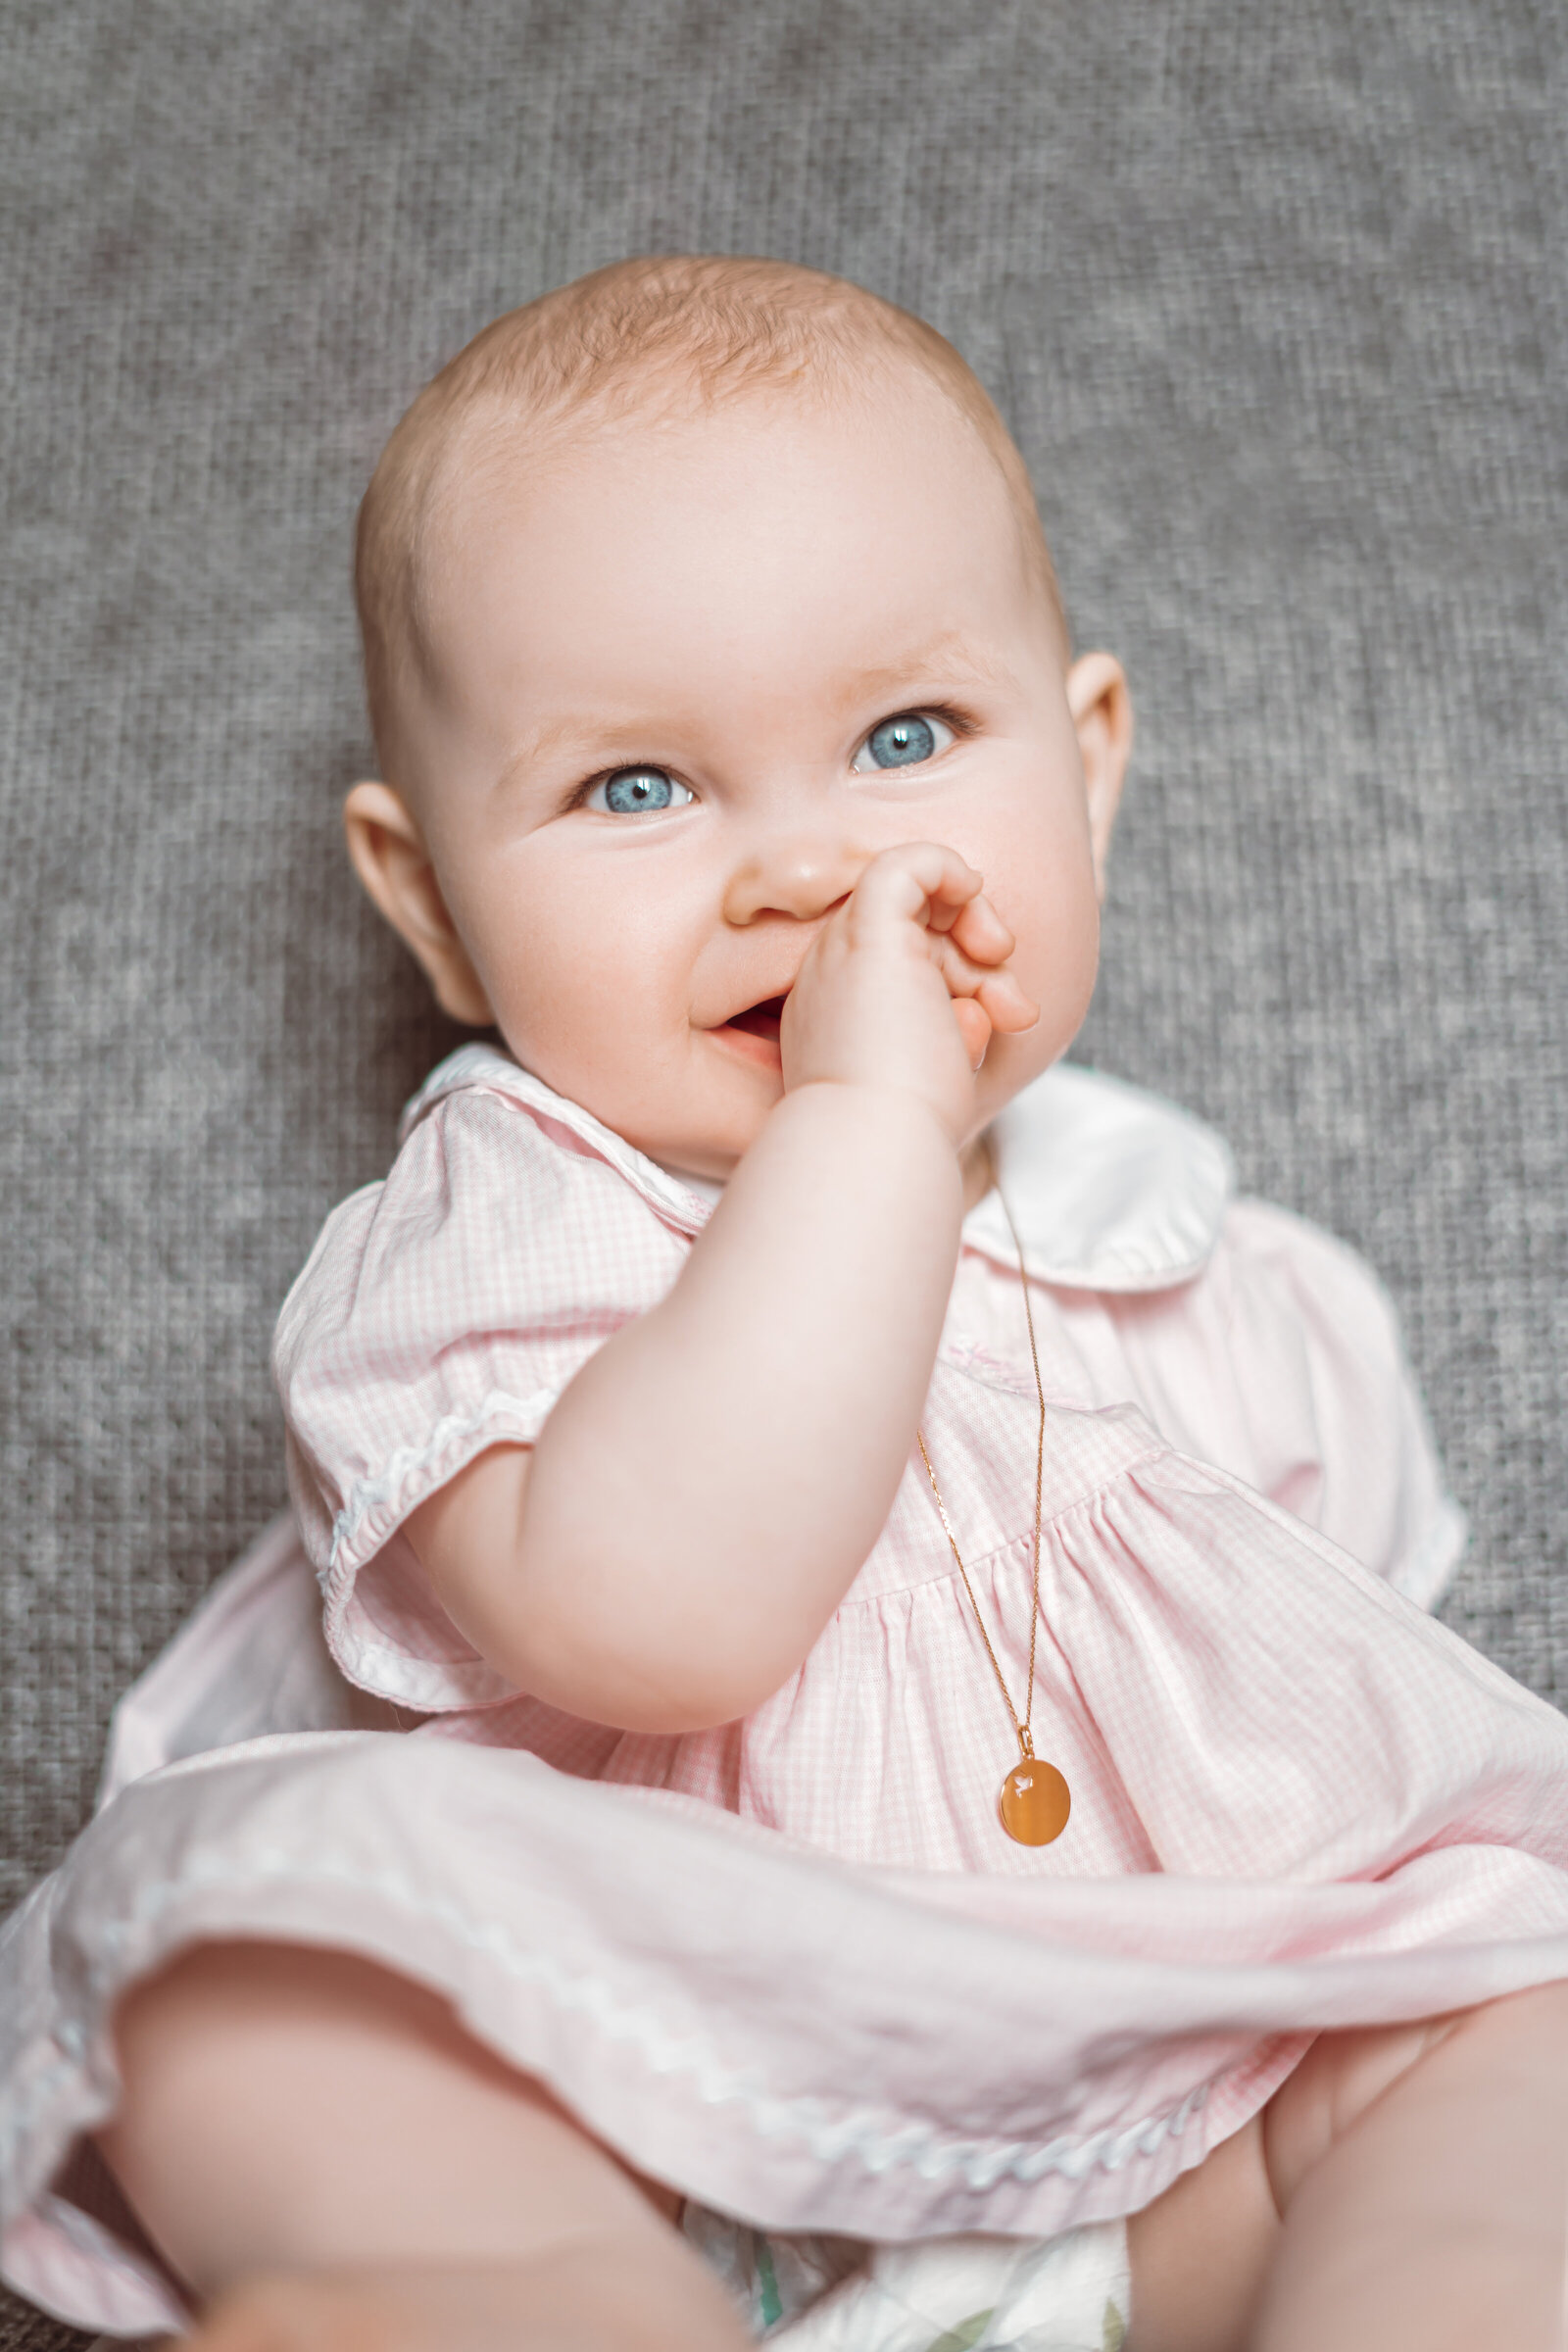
<point x="1034" y="1803"/>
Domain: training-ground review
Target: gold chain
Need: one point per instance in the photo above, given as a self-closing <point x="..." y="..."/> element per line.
<point x="1020" y="1723"/>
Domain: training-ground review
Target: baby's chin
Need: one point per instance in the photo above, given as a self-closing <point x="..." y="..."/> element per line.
<point x="699" y="1112"/>
<point x="711" y="1139"/>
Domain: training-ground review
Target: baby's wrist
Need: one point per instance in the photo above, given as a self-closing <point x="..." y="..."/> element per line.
<point x="906" y="1117"/>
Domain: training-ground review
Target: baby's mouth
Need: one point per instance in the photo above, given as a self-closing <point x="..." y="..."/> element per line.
<point x="753" y="1035"/>
<point x="760" y="1020"/>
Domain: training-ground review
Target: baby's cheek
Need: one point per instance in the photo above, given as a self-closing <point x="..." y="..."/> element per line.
<point x="594" y="1023"/>
<point x="1042" y="886"/>
<point x="1068" y="982"/>
<point x="568" y="1026"/>
<point x="548" y="993"/>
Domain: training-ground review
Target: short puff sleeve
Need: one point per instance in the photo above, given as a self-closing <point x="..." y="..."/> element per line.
<point x="441" y="1312"/>
<point x="1337" y="1431"/>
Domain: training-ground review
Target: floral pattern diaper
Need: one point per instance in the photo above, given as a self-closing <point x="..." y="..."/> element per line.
<point x="949" y="2294"/>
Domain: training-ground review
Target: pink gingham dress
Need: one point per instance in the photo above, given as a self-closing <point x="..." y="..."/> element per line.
<point x="793" y="1966"/>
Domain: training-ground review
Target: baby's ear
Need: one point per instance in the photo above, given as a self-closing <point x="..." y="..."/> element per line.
<point x="392" y="862"/>
<point x="1103" y="714"/>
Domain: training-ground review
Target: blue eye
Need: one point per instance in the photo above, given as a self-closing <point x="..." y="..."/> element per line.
<point x="637" y="792"/>
<point x="902" y="741"/>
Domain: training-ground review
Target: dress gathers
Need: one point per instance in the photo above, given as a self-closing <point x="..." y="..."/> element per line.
<point x="794" y="1966"/>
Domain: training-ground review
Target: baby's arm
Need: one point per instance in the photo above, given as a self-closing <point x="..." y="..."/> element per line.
<point x="706" y="1490"/>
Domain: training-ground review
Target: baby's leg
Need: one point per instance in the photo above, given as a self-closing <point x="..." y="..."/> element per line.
<point x="1407" y="2190"/>
<point x="331" y="2164"/>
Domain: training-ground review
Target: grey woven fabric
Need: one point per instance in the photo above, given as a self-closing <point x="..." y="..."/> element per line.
<point x="1274" y="301"/>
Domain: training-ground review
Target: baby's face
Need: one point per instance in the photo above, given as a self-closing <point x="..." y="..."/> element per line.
<point x="694" y="673"/>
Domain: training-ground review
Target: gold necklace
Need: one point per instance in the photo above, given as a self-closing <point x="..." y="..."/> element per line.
<point x="1034" y="1800"/>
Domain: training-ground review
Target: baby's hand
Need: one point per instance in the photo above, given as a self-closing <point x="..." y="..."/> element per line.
<point x="904" y="985"/>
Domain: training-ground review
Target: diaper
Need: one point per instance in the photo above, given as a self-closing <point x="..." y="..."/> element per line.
<point x="947" y="2294"/>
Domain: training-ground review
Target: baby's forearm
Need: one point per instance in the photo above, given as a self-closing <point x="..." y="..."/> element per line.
<point x="707" y="1488"/>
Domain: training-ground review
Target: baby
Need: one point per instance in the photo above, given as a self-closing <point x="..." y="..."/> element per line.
<point x="855" y="1526"/>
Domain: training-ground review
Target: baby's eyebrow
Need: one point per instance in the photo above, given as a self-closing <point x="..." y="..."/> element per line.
<point x="947" y="656"/>
<point x="584" y="729"/>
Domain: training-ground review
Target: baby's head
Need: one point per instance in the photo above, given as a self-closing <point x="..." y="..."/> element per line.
<point x="685" y="590"/>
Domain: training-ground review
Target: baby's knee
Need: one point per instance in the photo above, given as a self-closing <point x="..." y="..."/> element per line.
<point x="218" y="2012"/>
<point x="229" y="2052"/>
<point x="1335" y="2083"/>
<point x="1343" y="2074"/>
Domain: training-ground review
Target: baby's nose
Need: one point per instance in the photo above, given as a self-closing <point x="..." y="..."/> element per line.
<point x="799" y="877"/>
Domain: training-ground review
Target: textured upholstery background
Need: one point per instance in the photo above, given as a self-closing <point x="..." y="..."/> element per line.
<point x="1274" y="301"/>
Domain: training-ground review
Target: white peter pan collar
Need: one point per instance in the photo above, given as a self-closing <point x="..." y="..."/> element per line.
<point x="1113" y="1189"/>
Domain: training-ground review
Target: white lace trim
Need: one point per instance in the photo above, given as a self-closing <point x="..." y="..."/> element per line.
<point x="829" y="2135"/>
<point x="405" y="1469"/>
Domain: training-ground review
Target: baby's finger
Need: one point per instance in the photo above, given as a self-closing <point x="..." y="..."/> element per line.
<point x="974" y="1027"/>
<point x="998" y="993"/>
<point x="921" y="881"/>
<point x="979" y="930"/>
<point x="1007" y="1007"/>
